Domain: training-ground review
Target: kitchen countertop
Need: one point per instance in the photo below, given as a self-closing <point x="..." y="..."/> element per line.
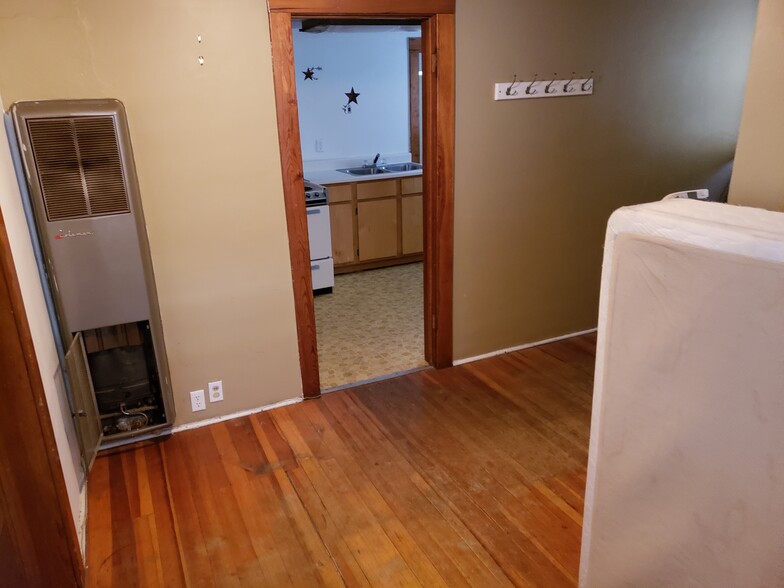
<point x="327" y="177"/>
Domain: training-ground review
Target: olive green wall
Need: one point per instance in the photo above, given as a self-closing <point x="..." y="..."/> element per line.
<point x="206" y="149"/>
<point x="758" y="179"/>
<point x="536" y="180"/>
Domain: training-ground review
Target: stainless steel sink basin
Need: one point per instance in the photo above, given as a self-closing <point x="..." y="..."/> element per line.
<point x="363" y="171"/>
<point x="401" y="167"/>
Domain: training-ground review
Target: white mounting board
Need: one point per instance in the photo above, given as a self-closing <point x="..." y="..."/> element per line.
<point x="524" y="90"/>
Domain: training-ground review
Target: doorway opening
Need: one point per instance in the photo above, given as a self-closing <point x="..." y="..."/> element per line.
<point x="355" y="101"/>
<point x="436" y="18"/>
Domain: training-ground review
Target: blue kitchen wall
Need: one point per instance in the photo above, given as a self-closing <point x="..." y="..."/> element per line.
<point x="375" y="64"/>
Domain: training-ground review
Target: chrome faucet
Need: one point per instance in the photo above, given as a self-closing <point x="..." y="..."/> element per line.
<point x="373" y="163"/>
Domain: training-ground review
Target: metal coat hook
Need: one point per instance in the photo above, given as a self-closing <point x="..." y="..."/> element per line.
<point x="510" y="91"/>
<point x="568" y="85"/>
<point x="529" y="90"/>
<point x="547" y="89"/>
<point x="587" y="84"/>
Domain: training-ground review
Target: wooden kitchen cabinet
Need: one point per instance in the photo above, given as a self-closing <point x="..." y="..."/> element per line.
<point x="376" y="223"/>
<point x="377" y="228"/>
<point x="341" y="220"/>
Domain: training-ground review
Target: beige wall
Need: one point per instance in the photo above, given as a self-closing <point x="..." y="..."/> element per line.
<point x="758" y="179"/>
<point x="40" y="327"/>
<point x="537" y="180"/>
<point x="206" y="149"/>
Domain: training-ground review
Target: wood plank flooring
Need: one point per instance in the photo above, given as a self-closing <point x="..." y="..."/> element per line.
<point x="469" y="476"/>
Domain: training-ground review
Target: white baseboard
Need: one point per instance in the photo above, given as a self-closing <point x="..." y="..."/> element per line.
<point x="234" y="415"/>
<point x="521" y="347"/>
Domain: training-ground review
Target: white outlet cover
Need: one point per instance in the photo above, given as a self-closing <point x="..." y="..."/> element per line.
<point x="197" y="401"/>
<point x="216" y="391"/>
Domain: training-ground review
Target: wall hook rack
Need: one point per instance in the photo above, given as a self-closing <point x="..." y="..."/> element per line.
<point x="553" y="88"/>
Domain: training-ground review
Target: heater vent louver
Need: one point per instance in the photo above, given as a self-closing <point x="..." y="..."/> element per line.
<point x="79" y="166"/>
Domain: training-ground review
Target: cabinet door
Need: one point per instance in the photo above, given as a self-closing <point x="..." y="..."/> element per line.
<point x="88" y="425"/>
<point x="377" y="222"/>
<point x="413" y="241"/>
<point x="341" y="220"/>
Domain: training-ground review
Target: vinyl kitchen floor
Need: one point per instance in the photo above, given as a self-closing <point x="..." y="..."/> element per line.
<point x="371" y="325"/>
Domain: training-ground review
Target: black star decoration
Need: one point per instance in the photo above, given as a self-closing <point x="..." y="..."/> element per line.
<point x="352" y="96"/>
<point x="310" y="73"/>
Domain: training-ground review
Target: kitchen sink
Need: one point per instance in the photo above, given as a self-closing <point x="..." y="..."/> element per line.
<point x="364" y="171"/>
<point x="402" y="167"/>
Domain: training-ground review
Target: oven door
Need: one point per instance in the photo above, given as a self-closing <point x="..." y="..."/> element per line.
<point x="318" y="232"/>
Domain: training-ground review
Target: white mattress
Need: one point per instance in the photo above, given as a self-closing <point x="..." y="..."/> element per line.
<point x="686" y="460"/>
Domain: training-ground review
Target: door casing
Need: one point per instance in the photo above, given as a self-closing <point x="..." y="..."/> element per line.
<point x="438" y="104"/>
<point x="39" y="543"/>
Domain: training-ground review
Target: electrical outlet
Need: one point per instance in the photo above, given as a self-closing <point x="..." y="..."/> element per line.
<point x="319" y="146"/>
<point x="216" y="391"/>
<point x="197" y="401"/>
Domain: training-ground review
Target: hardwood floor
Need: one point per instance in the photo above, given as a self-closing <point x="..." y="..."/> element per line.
<point x="470" y="476"/>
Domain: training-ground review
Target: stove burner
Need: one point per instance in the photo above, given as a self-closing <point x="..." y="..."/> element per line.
<point x="315" y="194"/>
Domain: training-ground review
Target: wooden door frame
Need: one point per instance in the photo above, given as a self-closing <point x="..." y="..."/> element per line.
<point x="41" y="524"/>
<point x="414" y="84"/>
<point x="438" y="104"/>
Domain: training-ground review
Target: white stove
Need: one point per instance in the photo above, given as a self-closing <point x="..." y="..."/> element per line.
<point x="320" y="238"/>
<point x="315" y="194"/>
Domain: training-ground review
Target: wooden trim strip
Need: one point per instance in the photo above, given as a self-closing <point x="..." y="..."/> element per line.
<point x="360" y="8"/>
<point x="293" y="190"/>
<point x="40" y="453"/>
<point x="438" y="62"/>
<point x="414" y="84"/>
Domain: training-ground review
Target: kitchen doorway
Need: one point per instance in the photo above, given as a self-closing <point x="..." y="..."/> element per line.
<point x="437" y="21"/>
<point x="357" y="149"/>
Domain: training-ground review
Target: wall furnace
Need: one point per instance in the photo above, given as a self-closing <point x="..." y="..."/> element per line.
<point x="79" y="170"/>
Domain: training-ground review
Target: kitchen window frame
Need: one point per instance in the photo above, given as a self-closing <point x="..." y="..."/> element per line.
<point x="438" y="113"/>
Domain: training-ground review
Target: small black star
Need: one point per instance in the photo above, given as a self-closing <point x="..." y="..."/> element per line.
<point x="352" y="96"/>
<point x="309" y="74"/>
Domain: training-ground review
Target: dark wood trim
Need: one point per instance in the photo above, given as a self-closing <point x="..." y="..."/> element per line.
<point x="438" y="69"/>
<point x="414" y="83"/>
<point x="293" y="191"/>
<point x="363" y="8"/>
<point x="39" y="542"/>
<point x="359" y="266"/>
<point x="309" y="24"/>
<point x="438" y="40"/>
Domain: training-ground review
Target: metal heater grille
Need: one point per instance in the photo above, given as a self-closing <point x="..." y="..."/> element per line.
<point x="79" y="167"/>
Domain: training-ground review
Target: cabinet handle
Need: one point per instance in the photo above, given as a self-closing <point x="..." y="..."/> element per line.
<point x="314" y="211"/>
<point x="81" y="413"/>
